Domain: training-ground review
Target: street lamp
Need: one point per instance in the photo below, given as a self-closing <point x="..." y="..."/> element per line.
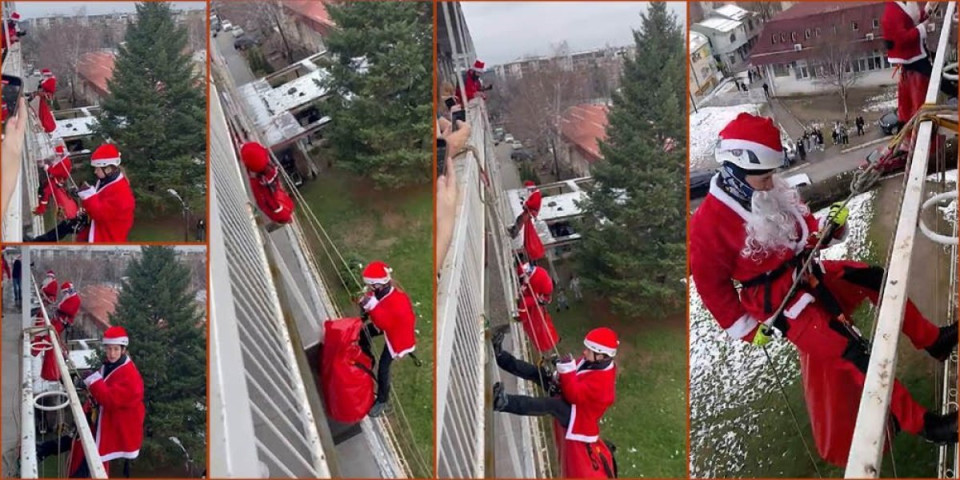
<point x="186" y="214"/>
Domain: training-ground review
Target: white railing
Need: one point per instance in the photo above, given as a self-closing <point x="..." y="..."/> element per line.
<point x="460" y="330"/>
<point x="866" y="452"/>
<point x="28" y="458"/>
<point x="13" y="217"/>
<point x="261" y="421"/>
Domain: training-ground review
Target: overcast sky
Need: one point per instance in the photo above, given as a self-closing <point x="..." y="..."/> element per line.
<point x="507" y="31"/>
<point x="46" y="9"/>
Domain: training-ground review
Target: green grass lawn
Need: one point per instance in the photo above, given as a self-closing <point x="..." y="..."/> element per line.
<point x="395" y="227"/>
<point x="648" y="422"/>
<point x="166" y="228"/>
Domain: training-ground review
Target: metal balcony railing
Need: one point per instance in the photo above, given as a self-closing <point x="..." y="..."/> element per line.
<point x="866" y="452"/>
<point x="28" y="394"/>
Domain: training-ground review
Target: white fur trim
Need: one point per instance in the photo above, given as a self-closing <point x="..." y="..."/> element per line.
<point x="115" y="455"/>
<point x="596" y="347"/>
<point x="92" y="378"/>
<point x="914" y="14"/>
<point x="394" y="353"/>
<point x="123" y="341"/>
<point x="574" y="436"/>
<point x="581" y="372"/>
<point x="87" y="193"/>
<point x="567" y="367"/>
<point x="794" y="311"/>
<point x="742" y="327"/>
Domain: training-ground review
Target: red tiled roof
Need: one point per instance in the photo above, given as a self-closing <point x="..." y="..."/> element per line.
<point x="99" y="301"/>
<point x="313" y="11"/>
<point x="96" y="68"/>
<point x="791" y="26"/>
<point x="583" y="126"/>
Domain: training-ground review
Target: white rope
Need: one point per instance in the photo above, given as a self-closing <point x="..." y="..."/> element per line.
<point x="934" y="236"/>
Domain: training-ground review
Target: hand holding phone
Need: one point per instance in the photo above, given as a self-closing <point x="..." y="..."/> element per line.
<point x="12" y="90"/>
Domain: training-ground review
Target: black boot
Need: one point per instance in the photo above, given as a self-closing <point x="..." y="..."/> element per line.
<point x="500" y="397"/>
<point x="499" y="332"/>
<point x="946" y="341"/>
<point x="940" y="429"/>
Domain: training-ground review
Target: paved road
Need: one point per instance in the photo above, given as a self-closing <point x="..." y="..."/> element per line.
<point x="236" y="63"/>
<point x="509" y="173"/>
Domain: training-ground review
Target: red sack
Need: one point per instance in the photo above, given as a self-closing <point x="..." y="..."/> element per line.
<point x="345" y="371"/>
<point x="49" y="371"/>
<point x="276" y="205"/>
<point x="46" y="118"/>
<point x="531" y="241"/>
<point x="583" y="460"/>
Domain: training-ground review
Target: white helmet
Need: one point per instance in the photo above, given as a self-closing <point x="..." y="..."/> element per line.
<point x="750" y="142"/>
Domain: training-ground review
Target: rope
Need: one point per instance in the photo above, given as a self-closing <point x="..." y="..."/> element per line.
<point x="793" y="415"/>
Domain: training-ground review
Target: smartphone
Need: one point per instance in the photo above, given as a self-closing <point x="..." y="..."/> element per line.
<point x="458" y="115"/>
<point x="441" y="156"/>
<point x="12" y="89"/>
<point x="450" y="102"/>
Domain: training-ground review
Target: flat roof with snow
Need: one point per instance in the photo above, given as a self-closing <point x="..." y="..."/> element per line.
<point x="559" y="207"/>
<point x="271" y="107"/>
<point x="720" y="24"/>
<point x="75" y="127"/>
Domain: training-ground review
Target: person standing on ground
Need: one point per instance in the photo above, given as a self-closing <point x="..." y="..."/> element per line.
<point x="802" y="150"/>
<point x="17" y="272"/>
<point x="766" y="90"/>
<point x="859" y="125"/>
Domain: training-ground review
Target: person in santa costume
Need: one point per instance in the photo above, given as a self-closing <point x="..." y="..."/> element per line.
<point x="531" y="206"/>
<point x="48" y="288"/>
<point x="109" y="203"/>
<point x="12" y="30"/>
<point x="472" y="84"/>
<point x="58" y="173"/>
<point x="116" y="391"/>
<point x="46" y="90"/>
<point x="268" y="192"/>
<point x="580" y="395"/>
<point x="753" y="230"/>
<point x="67" y="307"/>
<point x="391" y="314"/>
<point x="536" y="289"/>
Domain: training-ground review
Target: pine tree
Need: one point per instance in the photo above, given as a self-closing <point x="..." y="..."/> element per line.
<point x="381" y="108"/>
<point x="168" y="345"/>
<point x="635" y="255"/>
<point x="156" y="112"/>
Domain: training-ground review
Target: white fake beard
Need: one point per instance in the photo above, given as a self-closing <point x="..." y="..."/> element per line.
<point x="773" y="220"/>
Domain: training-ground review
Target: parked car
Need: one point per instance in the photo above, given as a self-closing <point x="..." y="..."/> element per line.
<point x="516" y="144"/>
<point x="226" y="25"/>
<point x="521" y="155"/>
<point x="889" y="123"/>
<point x="507" y="138"/>
<point x="244" y="42"/>
<point x="700" y="182"/>
<point x="237" y="32"/>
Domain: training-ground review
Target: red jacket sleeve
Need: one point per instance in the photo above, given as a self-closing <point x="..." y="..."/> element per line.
<point x="713" y="276"/>
<point x="894" y="30"/>
<point x="120" y="395"/>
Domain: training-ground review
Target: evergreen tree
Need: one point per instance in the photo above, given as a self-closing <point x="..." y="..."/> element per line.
<point x="168" y="345"/>
<point x="382" y="107"/>
<point x="635" y="257"/>
<point x="156" y="111"/>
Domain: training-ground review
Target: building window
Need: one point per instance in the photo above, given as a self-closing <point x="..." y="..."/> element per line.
<point x="781" y="70"/>
<point x="783" y="37"/>
<point x="818" y="31"/>
<point x="732" y="59"/>
<point x="733" y="37"/>
<point x="876" y="23"/>
<point x="806" y="34"/>
<point x="750" y="24"/>
<point x="854" y="26"/>
<point x="773" y="39"/>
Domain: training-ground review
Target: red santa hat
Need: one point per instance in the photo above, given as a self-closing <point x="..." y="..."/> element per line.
<point x="530" y="185"/>
<point x="376" y="273"/>
<point x="478" y="65"/>
<point x="602" y="340"/>
<point x="116" y="336"/>
<point x="67" y="286"/>
<point x="255" y="156"/>
<point x="46" y="72"/>
<point x="50" y="273"/>
<point x="106" y="154"/>
<point x="15" y="17"/>
<point x="60" y="150"/>
<point x="751" y="134"/>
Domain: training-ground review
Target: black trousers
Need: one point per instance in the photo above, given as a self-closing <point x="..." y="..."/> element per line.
<point x="60" y="232"/>
<point x="532" y="406"/>
<point x="386" y="360"/>
<point x="17" y="295"/>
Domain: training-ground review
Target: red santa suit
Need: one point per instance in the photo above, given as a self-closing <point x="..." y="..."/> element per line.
<point x="582" y="460"/>
<point x="11" y="30"/>
<point x="6" y="268"/>
<point x="118" y="430"/>
<point x="534" y="200"/>
<point x="471" y="83"/>
<point x="272" y="199"/>
<point x="532" y="245"/>
<point x="590" y="393"/>
<point x="48" y="288"/>
<point x="346" y="374"/>
<point x="906" y="41"/>
<point x="69" y="305"/>
<point x="57" y="175"/>
<point x="532" y="307"/>
<point x="394" y="315"/>
<point x="832" y="383"/>
<point x="46" y="92"/>
<point x="109" y="204"/>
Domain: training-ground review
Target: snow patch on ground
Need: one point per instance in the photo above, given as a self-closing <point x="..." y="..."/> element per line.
<point x="728" y="378"/>
<point x="705" y="126"/>
<point x="884" y="102"/>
